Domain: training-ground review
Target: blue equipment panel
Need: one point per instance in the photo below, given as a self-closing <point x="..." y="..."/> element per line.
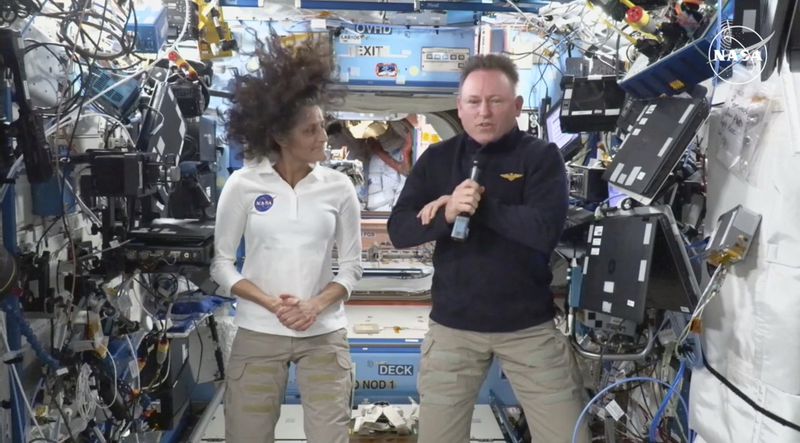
<point x="122" y="98"/>
<point x="386" y="370"/>
<point x="373" y="57"/>
<point x="49" y="200"/>
<point x="151" y="28"/>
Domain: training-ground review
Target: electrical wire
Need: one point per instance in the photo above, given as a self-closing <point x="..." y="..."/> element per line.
<point x="185" y="27"/>
<point x="75" y="115"/>
<point x="150" y="387"/>
<point x="43" y="237"/>
<point x="608" y="388"/>
<point x="134" y="357"/>
<point x="63" y="187"/>
<point x="101" y="251"/>
<point x="33" y="17"/>
<point x="17" y="378"/>
<point x="115" y="120"/>
<point x="183" y="366"/>
<point x="525" y="16"/>
<point x="136" y="294"/>
<point x="662" y="409"/>
<point x="557" y="44"/>
<point x="84" y="207"/>
<point x="65" y="419"/>
<point x="12" y="308"/>
<point x="13" y="10"/>
<point x="11" y="176"/>
<point x="705" y="298"/>
<point x="87" y="404"/>
<point x="114" y="367"/>
<point x="111" y="23"/>
<point x="771" y="415"/>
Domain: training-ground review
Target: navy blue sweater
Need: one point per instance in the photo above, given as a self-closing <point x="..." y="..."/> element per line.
<point x="499" y="279"/>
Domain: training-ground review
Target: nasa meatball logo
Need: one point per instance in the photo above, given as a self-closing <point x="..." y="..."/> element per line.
<point x="725" y="50"/>
<point x="263" y="203"/>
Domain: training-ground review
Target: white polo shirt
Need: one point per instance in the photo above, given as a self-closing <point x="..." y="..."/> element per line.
<point x="289" y="235"/>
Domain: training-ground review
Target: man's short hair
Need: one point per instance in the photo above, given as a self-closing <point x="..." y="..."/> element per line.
<point x="490" y="62"/>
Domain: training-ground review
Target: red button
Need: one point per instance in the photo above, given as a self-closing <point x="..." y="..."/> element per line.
<point x="635" y="14"/>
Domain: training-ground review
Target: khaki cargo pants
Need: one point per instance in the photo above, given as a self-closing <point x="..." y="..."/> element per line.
<point x="256" y="382"/>
<point x="537" y="361"/>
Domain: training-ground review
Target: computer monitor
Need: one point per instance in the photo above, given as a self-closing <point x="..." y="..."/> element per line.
<point x="636" y="260"/>
<point x="568" y="144"/>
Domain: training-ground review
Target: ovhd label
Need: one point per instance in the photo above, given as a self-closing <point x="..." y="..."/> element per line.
<point x="373" y="29"/>
<point x="386" y="369"/>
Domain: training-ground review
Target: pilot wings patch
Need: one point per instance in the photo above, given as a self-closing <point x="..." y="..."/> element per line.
<point x="511" y="176"/>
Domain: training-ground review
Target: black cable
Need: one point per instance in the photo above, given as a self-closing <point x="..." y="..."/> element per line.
<point x="157" y="297"/>
<point x="200" y="362"/>
<point x="44" y="233"/>
<point x="183" y="366"/>
<point x="644" y="396"/>
<point x="541" y="77"/>
<point x="748" y="400"/>
<point x="11" y="11"/>
<point x="64" y="215"/>
<point x="135" y="34"/>
<point x="616" y="58"/>
<point x="543" y="70"/>
<point x="63" y="188"/>
<point x="111" y="29"/>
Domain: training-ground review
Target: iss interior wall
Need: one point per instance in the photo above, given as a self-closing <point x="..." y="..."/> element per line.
<point x="752" y="327"/>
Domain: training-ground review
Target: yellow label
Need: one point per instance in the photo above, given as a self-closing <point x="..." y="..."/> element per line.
<point x="677" y="85"/>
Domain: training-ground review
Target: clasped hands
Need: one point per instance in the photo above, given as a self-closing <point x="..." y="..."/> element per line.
<point x="463" y="200"/>
<point x="295" y="313"/>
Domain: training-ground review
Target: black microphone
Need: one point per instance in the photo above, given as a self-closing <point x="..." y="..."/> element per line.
<point x="460" y="230"/>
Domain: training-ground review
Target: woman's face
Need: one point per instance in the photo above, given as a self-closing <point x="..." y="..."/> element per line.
<point x="307" y="140"/>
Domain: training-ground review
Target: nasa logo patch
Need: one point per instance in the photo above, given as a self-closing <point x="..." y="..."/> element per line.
<point x="263" y="203"/>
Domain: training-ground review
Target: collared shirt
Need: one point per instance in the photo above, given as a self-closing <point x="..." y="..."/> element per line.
<point x="289" y="235"/>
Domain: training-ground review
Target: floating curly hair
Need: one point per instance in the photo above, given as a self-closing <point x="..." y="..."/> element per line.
<point x="266" y="105"/>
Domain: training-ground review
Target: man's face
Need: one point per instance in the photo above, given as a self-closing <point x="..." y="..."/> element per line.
<point x="488" y="105"/>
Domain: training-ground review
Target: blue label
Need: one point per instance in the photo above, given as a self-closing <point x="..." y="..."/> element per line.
<point x="263" y="203"/>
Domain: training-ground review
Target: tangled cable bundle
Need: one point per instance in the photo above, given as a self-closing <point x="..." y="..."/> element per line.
<point x="11" y="10"/>
<point x="95" y="29"/>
